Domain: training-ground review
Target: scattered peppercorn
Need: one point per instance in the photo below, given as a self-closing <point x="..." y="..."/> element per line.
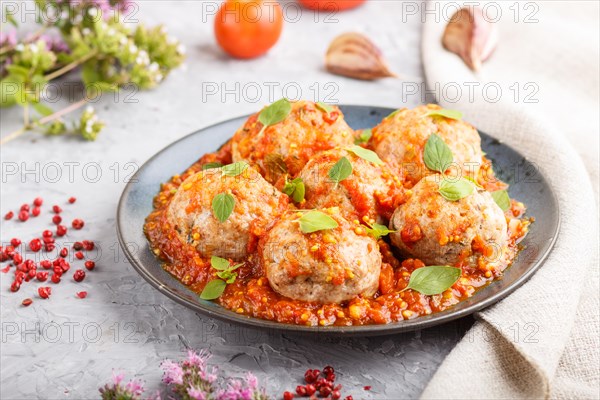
<point x="25" y="207"/>
<point x="64" y="252"/>
<point x="288" y="396"/>
<point x="27" y="302"/>
<point x="57" y="219"/>
<point x="45" y="291"/>
<point x="38" y="201"/>
<point x="72" y="200"/>
<point x="77" y="223"/>
<point x="23" y="216"/>
<point x="56" y="209"/>
<point x="36" y="211"/>
<point x="79" y="255"/>
<point x="35" y="245"/>
<point x="15" y="242"/>
<point x="78" y="246"/>
<point x="82" y="295"/>
<point x="79" y="275"/>
<point x="61" y="230"/>
<point x="9" y="215"/>
<point x="90" y="265"/>
<point x="42" y="276"/>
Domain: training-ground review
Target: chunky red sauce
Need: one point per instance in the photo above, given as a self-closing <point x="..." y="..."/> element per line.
<point x="251" y="294"/>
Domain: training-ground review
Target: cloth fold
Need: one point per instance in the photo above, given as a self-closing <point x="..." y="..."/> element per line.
<point x="524" y="347"/>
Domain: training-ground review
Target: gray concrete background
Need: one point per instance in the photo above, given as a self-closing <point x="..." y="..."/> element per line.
<point x="66" y="347"/>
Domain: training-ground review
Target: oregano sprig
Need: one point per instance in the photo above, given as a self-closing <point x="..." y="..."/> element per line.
<point x="365" y="154"/>
<point x="295" y="189"/>
<point x="274" y="113"/>
<point x="434" y="279"/>
<point x="216" y="287"/>
<point x="502" y="199"/>
<point x="340" y="170"/>
<point x="436" y="154"/>
<point x="454" y="190"/>
<point x="443" y="112"/>
<point x="222" y="206"/>
<point x="314" y="221"/>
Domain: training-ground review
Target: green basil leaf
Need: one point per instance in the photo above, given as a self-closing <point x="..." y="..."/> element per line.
<point x="213" y="289"/>
<point x="275" y="113"/>
<point x="437" y="155"/>
<point x="434" y="279"/>
<point x="364" y="136"/>
<point x="393" y="113"/>
<point x="454" y="191"/>
<point x="366" y="154"/>
<point x="377" y="231"/>
<point x="222" y="206"/>
<point x="324" y="107"/>
<point x="452" y="114"/>
<point x="340" y="170"/>
<point x="228" y="276"/>
<point x="314" y="221"/>
<point x="219" y="263"/>
<point x="501" y="198"/>
<point x="295" y="189"/>
<point x="234" y="169"/>
<point x="211" y="165"/>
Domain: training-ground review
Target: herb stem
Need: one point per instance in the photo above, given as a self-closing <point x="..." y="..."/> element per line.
<point x="43" y="121"/>
<point x="31" y="39"/>
<point x="72" y="65"/>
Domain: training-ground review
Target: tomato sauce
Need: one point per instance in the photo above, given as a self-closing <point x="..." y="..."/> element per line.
<point x="251" y="294"/>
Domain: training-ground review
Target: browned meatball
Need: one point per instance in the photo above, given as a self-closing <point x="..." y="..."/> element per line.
<point x="400" y="139"/>
<point x="289" y="145"/>
<point x="371" y="191"/>
<point x="257" y="203"/>
<point x="443" y="232"/>
<point x="328" y="266"/>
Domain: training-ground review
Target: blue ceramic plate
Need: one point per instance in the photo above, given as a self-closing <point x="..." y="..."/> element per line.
<point x="526" y="184"/>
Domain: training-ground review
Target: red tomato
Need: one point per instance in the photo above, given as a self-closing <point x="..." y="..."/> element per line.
<point x="248" y="28"/>
<point x="331" y="5"/>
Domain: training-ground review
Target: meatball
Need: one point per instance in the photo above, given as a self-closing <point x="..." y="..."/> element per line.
<point x="371" y="191"/>
<point x="443" y="232"/>
<point x="287" y="146"/>
<point x="400" y="140"/>
<point x="257" y="203"/>
<point x="328" y="266"/>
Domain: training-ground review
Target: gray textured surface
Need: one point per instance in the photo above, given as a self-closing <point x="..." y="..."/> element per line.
<point x="66" y="347"/>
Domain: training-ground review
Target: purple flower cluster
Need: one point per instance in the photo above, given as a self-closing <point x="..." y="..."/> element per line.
<point x="190" y="379"/>
<point x="117" y="390"/>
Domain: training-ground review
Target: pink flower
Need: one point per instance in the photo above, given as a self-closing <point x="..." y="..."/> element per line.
<point x="198" y="359"/>
<point x="252" y="381"/>
<point x="117" y="377"/>
<point x="173" y="373"/>
<point x="196" y="394"/>
<point x="8" y="38"/>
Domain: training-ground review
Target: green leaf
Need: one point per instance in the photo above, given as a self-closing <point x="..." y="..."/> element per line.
<point x="314" y="221"/>
<point x="18" y="72"/>
<point x="452" y="114"/>
<point x="437" y="155"/>
<point x="228" y="276"/>
<point x="434" y="279"/>
<point x="324" y="107"/>
<point x="366" y="154"/>
<point x="213" y="289"/>
<point x="274" y="113"/>
<point x="341" y="170"/>
<point x="42" y="109"/>
<point x="364" y="136"/>
<point x="234" y="169"/>
<point x="393" y="113"/>
<point x="295" y="189"/>
<point x="455" y="190"/>
<point x="219" y="263"/>
<point x="378" y="230"/>
<point x="501" y="198"/>
<point x="222" y="206"/>
<point x="211" y="165"/>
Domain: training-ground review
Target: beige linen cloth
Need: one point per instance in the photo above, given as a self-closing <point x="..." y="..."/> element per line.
<point x="556" y="313"/>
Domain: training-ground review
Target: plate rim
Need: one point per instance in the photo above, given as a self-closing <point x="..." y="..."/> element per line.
<point x="229" y="316"/>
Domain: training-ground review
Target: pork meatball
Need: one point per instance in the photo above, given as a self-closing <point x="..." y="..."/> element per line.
<point x="401" y="137"/>
<point x="371" y="191"/>
<point x="191" y="214"/>
<point x="328" y="266"/>
<point x="442" y="232"/>
<point x="287" y="146"/>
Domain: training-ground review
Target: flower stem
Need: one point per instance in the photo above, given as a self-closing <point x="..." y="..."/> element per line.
<point x="72" y="65"/>
<point x="43" y="121"/>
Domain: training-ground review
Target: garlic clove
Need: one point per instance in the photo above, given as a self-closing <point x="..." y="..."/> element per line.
<point x="355" y="56"/>
<point x="470" y="36"/>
